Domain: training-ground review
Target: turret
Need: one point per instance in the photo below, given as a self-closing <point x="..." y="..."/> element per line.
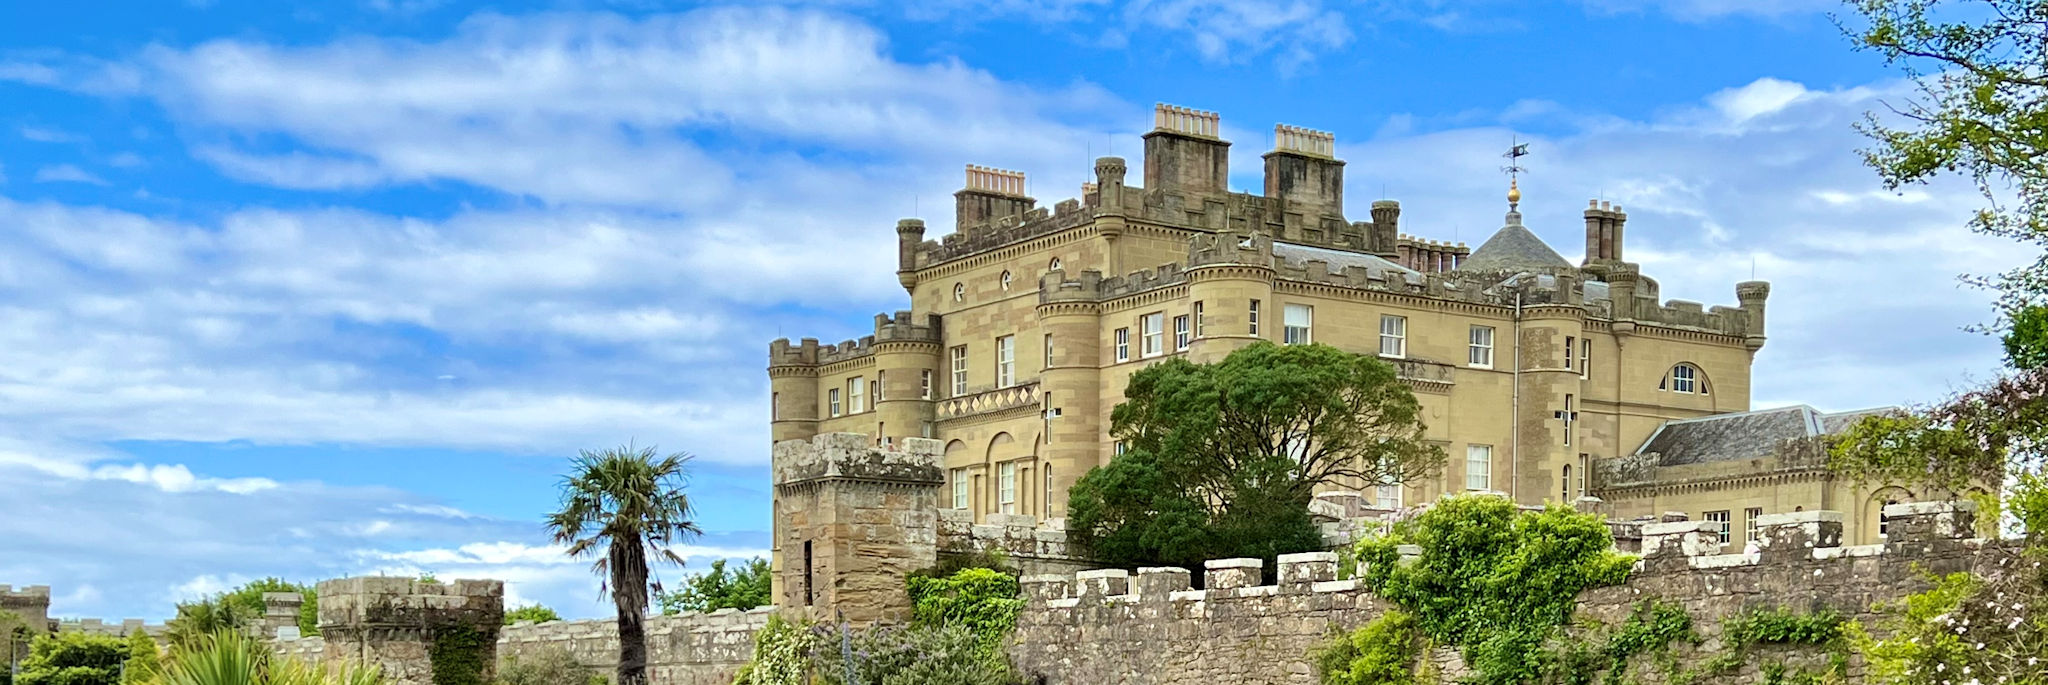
<point x="906" y="374"/>
<point x="1603" y="232"/>
<point x="1386" y="228"/>
<point x="793" y="389"/>
<point x="990" y="194"/>
<point x="1109" y="182"/>
<point x="909" y="235"/>
<point x="1622" y="280"/>
<point x="1303" y="170"/>
<point x="1184" y="153"/>
<point x="1230" y="289"/>
<point x="1752" y="295"/>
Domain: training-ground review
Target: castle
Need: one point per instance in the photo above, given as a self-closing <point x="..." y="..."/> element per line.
<point x="1541" y="379"/>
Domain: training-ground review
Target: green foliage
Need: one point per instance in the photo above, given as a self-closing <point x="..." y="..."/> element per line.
<point x="1981" y="111"/>
<point x="143" y="660"/>
<point x="73" y="658"/>
<point x="1381" y="653"/>
<point x="911" y="655"/>
<point x="551" y="665"/>
<point x="1492" y="580"/>
<point x="233" y="658"/>
<point x="457" y="656"/>
<point x="197" y="620"/>
<point x="1992" y="626"/>
<point x="2026" y="338"/>
<point x="1222" y="459"/>
<point x="982" y="601"/>
<point x="623" y="506"/>
<point x="743" y="588"/>
<point x="782" y="652"/>
<point x="1782" y="626"/>
<point x="250" y="598"/>
<point x="531" y="612"/>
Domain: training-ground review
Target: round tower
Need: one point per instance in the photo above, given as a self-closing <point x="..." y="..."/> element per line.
<point x="1752" y="295"/>
<point x="1071" y="386"/>
<point x="1230" y="289"/>
<point x="793" y="389"/>
<point x="909" y="235"/>
<point x="907" y="359"/>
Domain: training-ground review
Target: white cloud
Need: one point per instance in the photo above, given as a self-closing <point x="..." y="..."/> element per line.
<point x="178" y="478"/>
<point x="1762" y="96"/>
<point x="47" y="135"/>
<point x="66" y="173"/>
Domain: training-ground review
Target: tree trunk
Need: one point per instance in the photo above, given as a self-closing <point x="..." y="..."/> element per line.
<point x="629" y="592"/>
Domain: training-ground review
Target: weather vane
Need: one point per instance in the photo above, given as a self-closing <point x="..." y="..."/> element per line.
<point x="1514" y="170"/>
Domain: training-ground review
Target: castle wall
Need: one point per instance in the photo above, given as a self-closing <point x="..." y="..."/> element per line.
<point x="1149" y="627"/>
<point x="684" y="649"/>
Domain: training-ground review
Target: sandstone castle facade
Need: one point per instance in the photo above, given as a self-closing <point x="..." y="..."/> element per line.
<point x="1542" y="379"/>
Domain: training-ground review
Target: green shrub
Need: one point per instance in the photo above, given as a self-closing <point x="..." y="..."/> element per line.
<point x="1381" y="653"/>
<point x="197" y="620"/>
<point x="551" y="665"/>
<point x="531" y="612"/>
<point x="143" y="662"/>
<point x="983" y="601"/>
<point x="73" y="658"/>
<point x="457" y="656"/>
<point x="234" y="658"/>
<point x="717" y="588"/>
<point x="912" y="655"/>
<point x="782" y="652"/>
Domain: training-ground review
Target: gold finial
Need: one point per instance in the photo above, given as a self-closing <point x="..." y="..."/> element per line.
<point x="1514" y="193"/>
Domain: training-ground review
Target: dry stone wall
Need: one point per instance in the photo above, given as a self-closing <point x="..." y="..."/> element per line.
<point x="685" y="649"/>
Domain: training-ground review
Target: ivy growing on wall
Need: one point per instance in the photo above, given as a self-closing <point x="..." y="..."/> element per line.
<point x="458" y="656"/>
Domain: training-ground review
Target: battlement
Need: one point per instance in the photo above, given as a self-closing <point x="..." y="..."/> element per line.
<point x="27" y="593"/>
<point x="123" y="628"/>
<point x="903" y="326"/>
<point x="1253" y="250"/>
<point x="1304" y="141"/>
<point x="370" y="603"/>
<point x="853" y="456"/>
<point x="1185" y="121"/>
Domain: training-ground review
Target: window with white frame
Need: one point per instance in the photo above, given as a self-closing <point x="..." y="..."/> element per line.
<point x="959" y="488"/>
<point x="1295" y="321"/>
<point x="1152" y="334"/>
<point x="1684" y="378"/>
<point x="1253" y="318"/>
<point x="1564" y="493"/>
<point x="924" y="383"/>
<point x="1569" y="416"/>
<point x="1387" y="496"/>
<point x="959" y="370"/>
<point x="1180" y="332"/>
<point x="1571" y="346"/>
<point x="959" y="292"/>
<point x="1393" y="336"/>
<point x="1749" y="527"/>
<point x="1478" y="467"/>
<point x="856" y="395"/>
<point x="1585" y="358"/>
<point x="1123" y="344"/>
<point x="1006" y="361"/>
<point x="1006" y="486"/>
<point x="1048" y="350"/>
<point x="1480" y="352"/>
<point x="1720" y="517"/>
<point x="1118" y="448"/>
<point x="1054" y="265"/>
<point x="1006" y="281"/>
<point x="832" y="402"/>
<point x="1200" y="326"/>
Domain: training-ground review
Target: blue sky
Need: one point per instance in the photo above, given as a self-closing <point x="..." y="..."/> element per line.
<point x="337" y="289"/>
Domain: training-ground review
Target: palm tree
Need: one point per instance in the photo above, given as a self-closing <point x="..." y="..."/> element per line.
<point x="632" y="504"/>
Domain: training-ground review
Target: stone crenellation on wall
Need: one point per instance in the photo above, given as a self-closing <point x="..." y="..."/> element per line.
<point x="1151" y="627"/>
<point x="394" y="623"/>
<point x="684" y="649"/>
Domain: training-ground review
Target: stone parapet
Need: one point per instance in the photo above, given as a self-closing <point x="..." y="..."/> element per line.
<point x="684" y="649"/>
<point x="393" y="623"/>
<point x="853" y="456"/>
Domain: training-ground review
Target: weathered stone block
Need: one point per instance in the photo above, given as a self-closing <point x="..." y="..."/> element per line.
<point x="1224" y="574"/>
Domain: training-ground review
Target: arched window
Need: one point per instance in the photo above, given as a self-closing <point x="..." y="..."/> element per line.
<point x="959" y="292"/>
<point x="1006" y="281"/>
<point x="1565" y="491"/>
<point x="1685" y="378"/>
<point x="1054" y="266"/>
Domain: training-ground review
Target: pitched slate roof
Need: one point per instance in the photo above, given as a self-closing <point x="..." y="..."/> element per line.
<point x="1513" y="248"/>
<point x="1744" y="435"/>
<point x="1299" y="255"/>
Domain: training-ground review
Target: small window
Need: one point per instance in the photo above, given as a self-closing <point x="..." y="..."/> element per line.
<point x="1480" y="354"/>
<point x="1393" y="336"/>
<point x="832" y="402"/>
<point x="1123" y="344"/>
<point x="1564" y="493"/>
<point x="1478" y="467"/>
<point x="1054" y="265"/>
<point x="1048" y="350"/>
<point x="856" y="395"/>
<point x="1118" y="447"/>
<point x="1006" y="281"/>
<point x="959" y="370"/>
<point x="925" y="383"/>
<point x="1200" y="325"/>
<point x="1180" y="332"/>
<point x="1152" y="334"/>
<point x="1720" y="517"/>
<point x="774" y="406"/>
<point x="1006" y="361"/>
<point x="959" y="292"/>
<point x="1570" y="416"/>
<point x="1253" y="319"/>
<point x="1571" y="345"/>
<point x="1006" y="486"/>
<point x="1585" y="358"/>
<point x="959" y="488"/>
<point x="1296" y="320"/>
<point x="1750" y="531"/>
<point x="1685" y="378"/>
<point x="1884" y="522"/>
<point x="1387" y="496"/>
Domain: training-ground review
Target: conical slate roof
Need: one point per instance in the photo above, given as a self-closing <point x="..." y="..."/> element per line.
<point x="1514" y="248"/>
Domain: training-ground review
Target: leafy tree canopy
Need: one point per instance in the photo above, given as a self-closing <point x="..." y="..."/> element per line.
<point x="197" y="621"/>
<point x="742" y="588"/>
<point x="531" y="612"/>
<point x="249" y="597"/>
<point x="1981" y="68"/>
<point x="622" y="505"/>
<point x="1221" y="460"/>
<point x="73" y="658"/>
<point x="143" y="660"/>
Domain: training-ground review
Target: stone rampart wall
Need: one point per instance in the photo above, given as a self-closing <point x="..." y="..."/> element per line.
<point x="1111" y="626"/>
<point x="685" y="649"/>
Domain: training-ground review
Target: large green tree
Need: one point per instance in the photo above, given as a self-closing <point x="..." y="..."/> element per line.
<point x="624" y="505"/>
<point x="74" y="658"/>
<point x="740" y="588"/>
<point x="1222" y="459"/>
<point x="1980" y="109"/>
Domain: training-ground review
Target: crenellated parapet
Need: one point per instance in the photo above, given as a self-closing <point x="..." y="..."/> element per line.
<point x="695" y="648"/>
<point x="31" y="603"/>
<point x="902" y="327"/>
<point x="122" y="628"/>
<point x="395" y="623"/>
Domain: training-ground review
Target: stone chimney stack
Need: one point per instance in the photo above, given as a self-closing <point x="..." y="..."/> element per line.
<point x="1304" y="170"/>
<point x="1386" y="228"/>
<point x="1603" y="231"/>
<point x="1185" y="153"/>
<point x="990" y="195"/>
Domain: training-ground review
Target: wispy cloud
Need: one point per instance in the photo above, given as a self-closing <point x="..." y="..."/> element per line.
<point x="66" y="173"/>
